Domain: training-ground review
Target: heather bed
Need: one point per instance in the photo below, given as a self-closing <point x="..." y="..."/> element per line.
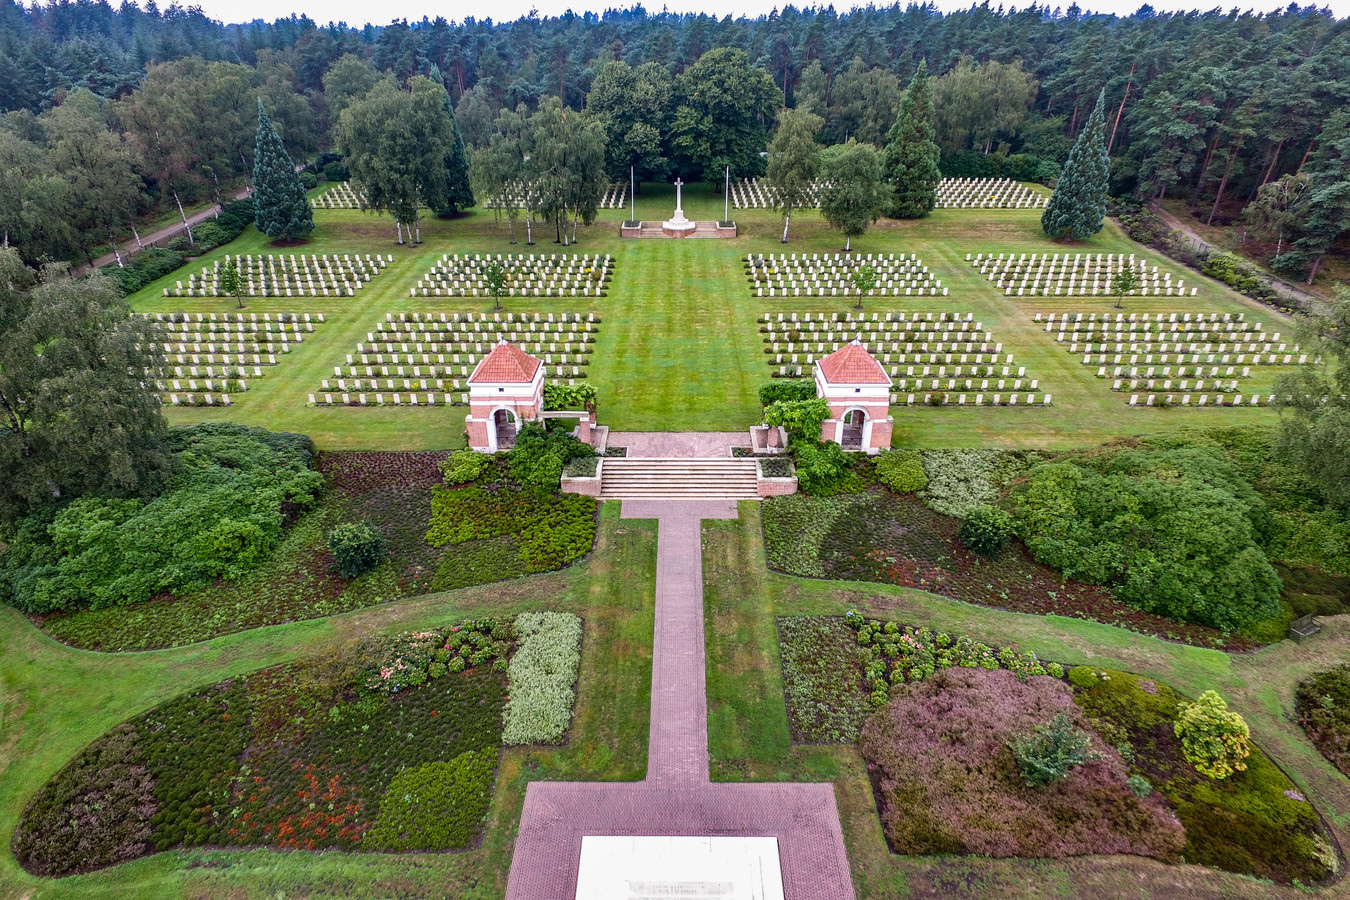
<point x="395" y="494"/>
<point x="882" y="537"/>
<point x="391" y="746"/>
<point x="945" y="780"/>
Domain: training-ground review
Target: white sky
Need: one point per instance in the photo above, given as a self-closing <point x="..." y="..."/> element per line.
<point x="358" y="12"/>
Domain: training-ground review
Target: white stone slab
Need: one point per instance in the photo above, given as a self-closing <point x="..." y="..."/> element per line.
<point x="695" y="868"/>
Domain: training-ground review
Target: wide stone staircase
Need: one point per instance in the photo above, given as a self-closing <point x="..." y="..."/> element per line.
<point x="623" y="477"/>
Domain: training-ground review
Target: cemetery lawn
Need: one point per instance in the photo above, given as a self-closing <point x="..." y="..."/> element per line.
<point x="55" y="700"/>
<point x="679" y="348"/>
<point x="749" y="739"/>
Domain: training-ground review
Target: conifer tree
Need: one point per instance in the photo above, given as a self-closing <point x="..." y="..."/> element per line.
<point x="1077" y="209"/>
<point x="910" y="166"/>
<point x="459" y="191"/>
<point x="283" y="208"/>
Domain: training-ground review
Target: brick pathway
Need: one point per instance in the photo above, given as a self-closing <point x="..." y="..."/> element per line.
<point x="679" y="444"/>
<point x="677" y="797"/>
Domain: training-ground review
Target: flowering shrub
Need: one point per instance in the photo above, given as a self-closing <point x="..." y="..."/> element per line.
<point x="411" y="659"/>
<point x="542" y="677"/>
<point x="946" y="781"/>
<point x="436" y="806"/>
<point x="1212" y="738"/>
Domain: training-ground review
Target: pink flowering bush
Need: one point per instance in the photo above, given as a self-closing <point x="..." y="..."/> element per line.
<point x="413" y="658"/>
<point x="947" y="782"/>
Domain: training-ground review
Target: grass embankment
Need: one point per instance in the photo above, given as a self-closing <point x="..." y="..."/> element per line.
<point x="680" y="347"/>
<point x="54" y="700"/>
<point x="748" y="725"/>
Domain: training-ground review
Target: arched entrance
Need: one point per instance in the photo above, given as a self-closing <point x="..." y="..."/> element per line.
<point x="504" y="428"/>
<point x="853" y="436"/>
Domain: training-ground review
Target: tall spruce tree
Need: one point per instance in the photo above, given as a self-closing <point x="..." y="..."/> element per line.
<point x="1077" y="209"/>
<point x="910" y="165"/>
<point x="283" y="208"/>
<point x="458" y="189"/>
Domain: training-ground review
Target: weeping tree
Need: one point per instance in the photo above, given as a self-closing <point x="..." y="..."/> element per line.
<point x="794" y="161"/>
<point x="396" y="143"/>
<point x="1077" y="210"/>
<point x="283" y="207"/>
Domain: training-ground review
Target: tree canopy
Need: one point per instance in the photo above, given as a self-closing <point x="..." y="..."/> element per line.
<point x="911" y="161"/>
<point x="78" y="417"/>
<point x="283" y="209"/>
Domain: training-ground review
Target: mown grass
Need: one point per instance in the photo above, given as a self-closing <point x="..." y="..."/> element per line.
<point x="54" y="700"/>
<point x="680" y="349"/>
<point x="748" y="737"/>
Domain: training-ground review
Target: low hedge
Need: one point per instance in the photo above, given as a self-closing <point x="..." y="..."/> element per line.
<point x="543" y="675"/>
<point x="436" y="806"/>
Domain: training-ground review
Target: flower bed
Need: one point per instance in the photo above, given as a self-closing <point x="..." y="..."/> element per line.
<point x="1323" y="704"/>
<point x="837" y="671"/>
<point x="393" y="747"/>
<point x="543" y="676"/>
<point x="515" y="533"/>
<point x="947" y="782"/>
<point x="1253" y="822"/>
<point x="880" y="537"/>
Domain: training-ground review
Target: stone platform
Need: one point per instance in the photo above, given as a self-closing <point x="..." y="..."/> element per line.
<point x="658" y="230"/>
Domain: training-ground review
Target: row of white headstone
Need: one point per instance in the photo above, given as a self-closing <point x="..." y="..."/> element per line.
<point x="987" y="193"/>
<point x="340" y="196"/>
<point x="1218" y="400"/>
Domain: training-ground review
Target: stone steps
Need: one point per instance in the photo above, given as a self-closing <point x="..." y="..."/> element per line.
<point x="679" y="478"/>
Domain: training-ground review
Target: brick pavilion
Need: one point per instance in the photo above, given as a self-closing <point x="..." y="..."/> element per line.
<point x="858" y="392"/>
<point x="505" y="389"/>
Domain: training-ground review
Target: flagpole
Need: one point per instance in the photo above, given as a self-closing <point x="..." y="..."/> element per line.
<point x="632" y="194"/>
<point x="726" y="196"/>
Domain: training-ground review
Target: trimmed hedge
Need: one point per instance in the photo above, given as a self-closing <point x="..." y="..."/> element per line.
<point x="901" y="471"/>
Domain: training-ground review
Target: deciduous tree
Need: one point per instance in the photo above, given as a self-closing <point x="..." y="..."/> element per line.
<point x="723" y="105"/>
<point x="852" y="192"/>
<point x="794" y="161"/>
<point x="78" y="413"/>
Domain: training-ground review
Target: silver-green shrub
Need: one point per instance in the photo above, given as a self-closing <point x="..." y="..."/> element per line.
<point x="542" y="676"/>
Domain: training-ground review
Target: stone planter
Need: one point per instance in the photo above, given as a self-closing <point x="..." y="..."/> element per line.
<point x="589" y="487"/>
<point x="773" y="487"/>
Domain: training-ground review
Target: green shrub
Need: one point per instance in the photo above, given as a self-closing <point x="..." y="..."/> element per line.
<point x="1170" y="531"/>
<point x="539" y="456"/>
<point x="962" y="480"/>
<point x="1140" y="785"/>
<point x="357" y="548"/>
<point x="542" y="677"/>
<point x="309" y="180"/>
<point x="336" y="171"/>
<point x="801" y="419"/>
<point x="1049" y="753"/>
<point x="901" y="471"/>
<point x="1083" y="677"/>
<point x="787" y="391"/>
<point x="220" y="517"/>
<point x="405" y="660"/>
<point x="569" y="396"/>
<point x="435" y="806"/>
<point x="148" y="265"/>
<point x="463" y="466"/>
<point x="1213" y="739"/>
<point x="823" y="468"/>
<point x="551" y="530"/>
<point x="986" y="530"/>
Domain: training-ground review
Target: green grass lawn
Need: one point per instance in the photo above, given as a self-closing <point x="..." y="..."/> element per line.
<point x="54" y="700"/>
<point x="748" y="727"/>
<point x="680" y="349"/>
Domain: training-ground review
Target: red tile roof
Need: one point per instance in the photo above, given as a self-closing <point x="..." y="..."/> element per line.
<point x="852" y="364"/>
<point x="506" y="364"/>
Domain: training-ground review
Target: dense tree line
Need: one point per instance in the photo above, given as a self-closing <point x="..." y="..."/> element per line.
<point x="1211" y="107"/>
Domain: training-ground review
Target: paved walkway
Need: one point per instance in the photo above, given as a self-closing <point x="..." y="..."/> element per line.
<point x="677" y="797"/>
<point x="679" y="444"/>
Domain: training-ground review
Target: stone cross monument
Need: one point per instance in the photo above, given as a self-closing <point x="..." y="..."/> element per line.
<point x="678" y="225"/>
